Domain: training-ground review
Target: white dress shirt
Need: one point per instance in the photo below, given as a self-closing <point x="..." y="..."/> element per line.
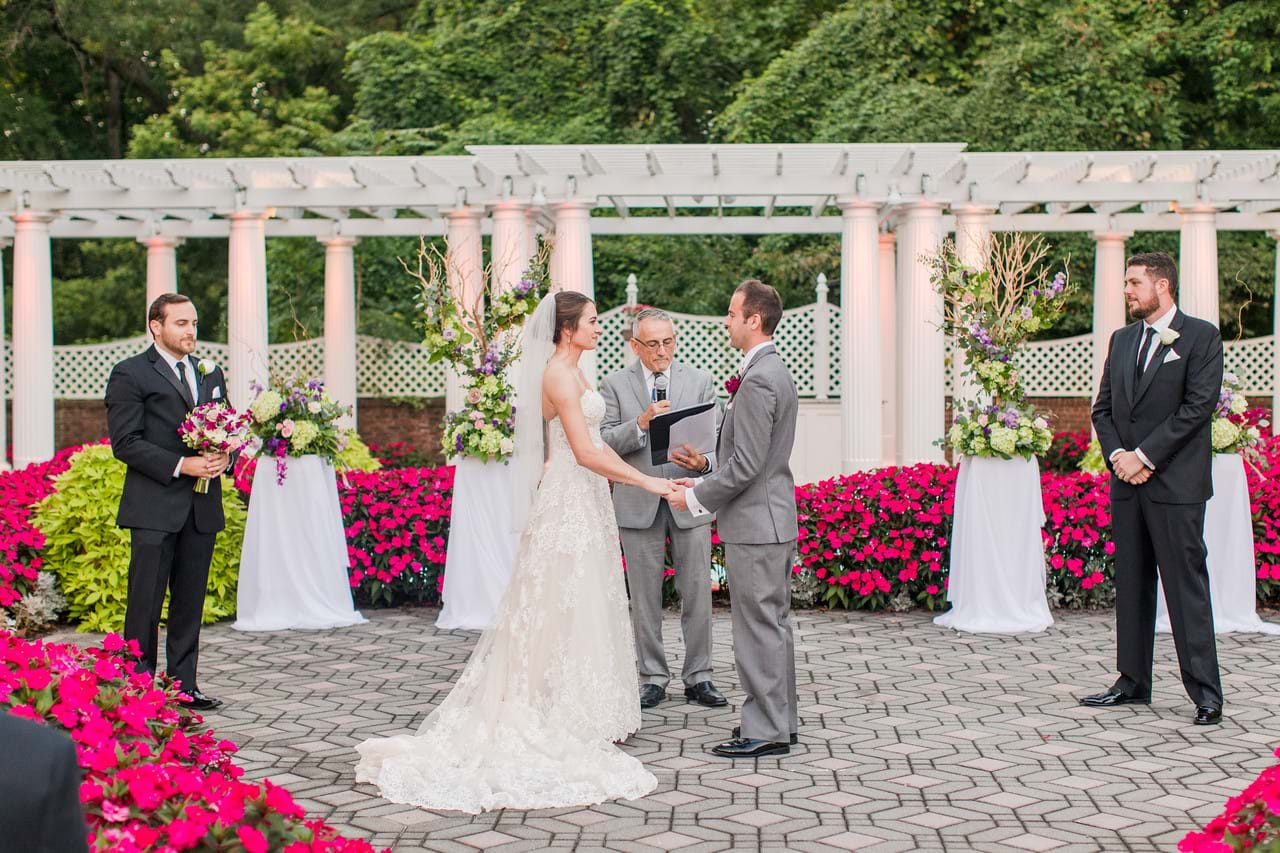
<point x="1159" y="324"/>
<point x="695" y="507"/>
<point x="648" y="384"/>
<point x="189" y="373"/>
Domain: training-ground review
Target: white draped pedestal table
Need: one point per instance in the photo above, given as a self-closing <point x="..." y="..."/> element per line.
<point x="293" y="566"/>
<point x="997" y="578"/>
<point x="1228" y="536"/>
<point x="482" y="545"/>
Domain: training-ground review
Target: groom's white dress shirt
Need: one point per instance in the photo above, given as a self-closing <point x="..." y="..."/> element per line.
<point x="187" y="375"/>
<point x="694" y="506"/>
<point x="1159" y="324"/>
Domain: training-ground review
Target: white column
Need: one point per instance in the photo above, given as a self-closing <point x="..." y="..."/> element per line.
<point x="571" y="265"/>
<point x="162" y="268"/>
<point x="922" y="405"/>
<point x="247" y="306"/>
<point x="888" y="276"/>
<point x="33" y="420"/>
<point x="822" y="342"/>
<point x="861" y="352"/>
<point x="340" y="322"/>
<point x="1108" y="295"/>
<point x="629" y="356"/>
<point x="511" y="244"/>
<point x="973" y="247"/>
<point x="4" y="424"/>
<point x="1275" y="339"/>
<point x="465" y="273"/>
<point x="1198" y="263"/>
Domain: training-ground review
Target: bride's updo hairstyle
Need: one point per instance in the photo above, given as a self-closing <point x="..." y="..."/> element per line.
<point x="569" y="307"/>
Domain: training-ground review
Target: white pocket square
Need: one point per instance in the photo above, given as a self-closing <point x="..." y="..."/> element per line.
<point x="217" y="393"/>
<point x="1170" y="356"/>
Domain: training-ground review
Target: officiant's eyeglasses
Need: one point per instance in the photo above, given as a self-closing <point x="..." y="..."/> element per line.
<point x="653" y="346"/>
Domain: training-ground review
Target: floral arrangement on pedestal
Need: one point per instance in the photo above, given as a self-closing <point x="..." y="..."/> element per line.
<point x="1232" y="428"/>
<point x="479" y="338"/>
<point x="989" y="314"/>
<point x="293" y="417"/>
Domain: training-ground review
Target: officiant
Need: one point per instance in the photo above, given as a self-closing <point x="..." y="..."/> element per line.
<point x="634" y="396"/>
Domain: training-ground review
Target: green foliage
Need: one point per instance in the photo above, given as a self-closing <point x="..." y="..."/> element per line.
<point x="90" y="554"/>
<point x="355" y="455"/>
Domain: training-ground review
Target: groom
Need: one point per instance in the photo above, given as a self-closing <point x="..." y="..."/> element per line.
<point x="1161" y="384"/>
<point x="754" y="497"/>
<point x="172" y="529"/>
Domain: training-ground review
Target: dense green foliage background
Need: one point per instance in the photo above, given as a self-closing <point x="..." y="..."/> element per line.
<point x="168" y="78"/>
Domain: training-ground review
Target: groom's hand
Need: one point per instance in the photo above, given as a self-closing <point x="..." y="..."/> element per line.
<point x="677" y="498"/>
<point x="1128" y="466"/>
<point x="218" y="463"/>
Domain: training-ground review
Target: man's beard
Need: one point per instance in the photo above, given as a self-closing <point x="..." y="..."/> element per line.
<point x="1143" y="310"/>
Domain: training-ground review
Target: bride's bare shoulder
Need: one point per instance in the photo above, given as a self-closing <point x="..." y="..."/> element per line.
<point x="557" y="378"/>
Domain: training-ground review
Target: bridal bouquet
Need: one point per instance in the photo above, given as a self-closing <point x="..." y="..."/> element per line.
<point x="214" y="427"/>
<point x="1232" y="430"/>
<point x="296" y="418"/>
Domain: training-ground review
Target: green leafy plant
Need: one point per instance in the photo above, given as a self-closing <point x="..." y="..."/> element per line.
<point x="90" y="554"/>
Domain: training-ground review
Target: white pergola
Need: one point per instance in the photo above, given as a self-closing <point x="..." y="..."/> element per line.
<point x="891" y="204"/>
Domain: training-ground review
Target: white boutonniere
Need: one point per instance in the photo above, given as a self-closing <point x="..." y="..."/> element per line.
<point x="1168" y="336"/>
<point x="205" y="366"/>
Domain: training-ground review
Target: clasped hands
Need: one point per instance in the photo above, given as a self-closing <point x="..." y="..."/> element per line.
<point x="673" y="491"/>
<point x="207" y="466"/>
<point x="1129" y="467"/>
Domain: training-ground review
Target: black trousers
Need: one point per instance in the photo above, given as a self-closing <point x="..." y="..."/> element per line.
<point x="1150" y="534"/>
<point x="179" y="563"/>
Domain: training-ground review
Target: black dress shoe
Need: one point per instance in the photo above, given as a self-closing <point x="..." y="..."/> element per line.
<point x="1207" y="715"/>
<point x="745" y="747"/>
<point x="737" y="733"/>
<point x="651" y="695"/>
<point x="201" y="702"/>
<point x="705" y="693"/>
<point x="1114" y="697"/>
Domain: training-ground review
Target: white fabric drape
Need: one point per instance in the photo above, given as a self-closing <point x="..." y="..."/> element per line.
<point x="997" y="576"/>
<point x="482" y="545"/>
<point x="293" y="566"/>
<point x="1228" y="535"/>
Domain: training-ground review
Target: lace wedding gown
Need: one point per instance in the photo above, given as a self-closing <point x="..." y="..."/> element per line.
<point x="533" y="719"/>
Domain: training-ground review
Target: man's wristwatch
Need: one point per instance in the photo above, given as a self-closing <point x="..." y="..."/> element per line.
<point x="706" y="469"/>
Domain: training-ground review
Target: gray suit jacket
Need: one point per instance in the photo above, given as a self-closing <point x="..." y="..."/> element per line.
<point x="626" y="397"/>
<point x="753" y="492"/>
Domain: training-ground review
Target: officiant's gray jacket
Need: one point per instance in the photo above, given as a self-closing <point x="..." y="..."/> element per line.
<point x="626" y="396"/>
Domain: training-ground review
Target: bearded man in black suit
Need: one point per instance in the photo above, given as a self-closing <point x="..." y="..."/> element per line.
<point x="1153" y="413"/>
<point x="172" y="527"/>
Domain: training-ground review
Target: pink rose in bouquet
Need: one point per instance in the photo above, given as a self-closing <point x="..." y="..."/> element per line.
<point x="214" y="427"/>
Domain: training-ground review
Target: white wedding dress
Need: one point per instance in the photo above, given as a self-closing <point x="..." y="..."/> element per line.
<point x="533" y="719"/>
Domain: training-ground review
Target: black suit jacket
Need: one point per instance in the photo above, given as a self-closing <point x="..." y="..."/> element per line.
<point x="1167" y="413"/>
<point x="39" y="789"/>
<point x="145" y="407"/>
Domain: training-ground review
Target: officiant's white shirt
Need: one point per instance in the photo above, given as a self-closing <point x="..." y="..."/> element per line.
<point x="1159" y="324"/>
<point x="695" y="507"/>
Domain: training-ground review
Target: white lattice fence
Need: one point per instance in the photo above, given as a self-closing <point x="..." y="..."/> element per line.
<point x="1059" y="368"/>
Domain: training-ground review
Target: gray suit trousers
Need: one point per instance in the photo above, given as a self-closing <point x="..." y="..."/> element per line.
<point x="763" y="645"/>
<point x="691" y="558"/>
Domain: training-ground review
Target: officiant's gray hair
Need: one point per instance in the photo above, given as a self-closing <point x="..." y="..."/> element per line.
<point x="650" y="314"/>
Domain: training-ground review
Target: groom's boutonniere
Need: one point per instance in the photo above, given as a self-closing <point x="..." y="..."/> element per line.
<point x="1168" y="336"/>
<point x="206" y="366"/>
<point x="731" y="384"/>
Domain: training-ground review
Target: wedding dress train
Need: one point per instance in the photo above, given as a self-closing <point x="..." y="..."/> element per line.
<point x="533" y="719"/>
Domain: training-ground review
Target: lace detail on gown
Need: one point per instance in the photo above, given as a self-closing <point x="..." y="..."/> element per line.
<point x="532" y="720"/>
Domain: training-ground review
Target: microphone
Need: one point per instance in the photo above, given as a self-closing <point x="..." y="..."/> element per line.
<point x="659" y="387"/>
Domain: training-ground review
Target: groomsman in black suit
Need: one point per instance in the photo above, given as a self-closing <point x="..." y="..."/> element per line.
<point x="1161" y="383"/>
<point x="172" y="528"/>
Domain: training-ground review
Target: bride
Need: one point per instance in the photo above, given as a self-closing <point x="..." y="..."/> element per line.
<point x="550" y="688"/>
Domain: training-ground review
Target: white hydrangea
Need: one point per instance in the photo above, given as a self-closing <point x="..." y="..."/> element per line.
<point x="266" y="406"/>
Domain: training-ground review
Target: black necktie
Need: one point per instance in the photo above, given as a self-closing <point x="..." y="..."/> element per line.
<point x="1144" y="353"/>
<point x="186" y="389"/>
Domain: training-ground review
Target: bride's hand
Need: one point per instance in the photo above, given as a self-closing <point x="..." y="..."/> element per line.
<point x="657" y="486"/>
